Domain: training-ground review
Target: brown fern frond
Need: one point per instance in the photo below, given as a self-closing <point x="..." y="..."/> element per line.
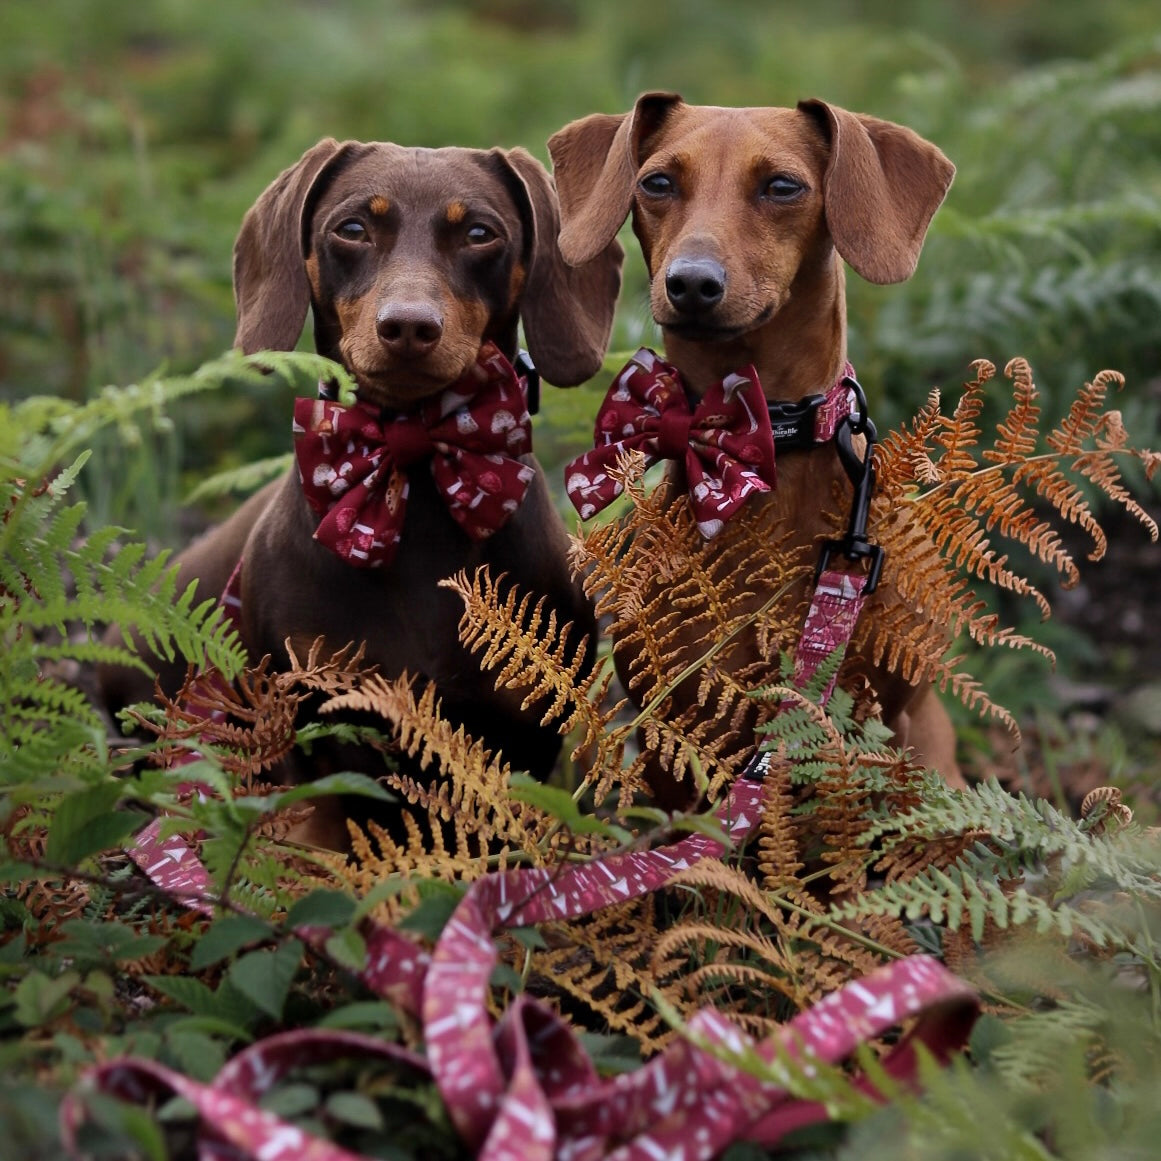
<point x="464" y="783"/>
<point x="779" y="855"/>
<point x="806" y="958"/>
<point x="959" y="435"/>
<point x="840" y="957"/>
<point x="779" y="972"/>
<point x="533" y="653"/>
<point x="1084" y="416"/>
<point x="329" y="672"/>
<point x="1100" y="468"/>
<point x="907" y="859"/>
<point x="903" y="457"/>
<point x="959" y="523"/>
<point x="603" y="961"/>
<point x="713" y="875"/>
<point x="684" y="745"/>
<point x="1018" y="431"/>
<point x="250" y="724"/>
<point x="935" y="517"/>
<point x="890" y="931"/>
<point x="1066" y="497"/>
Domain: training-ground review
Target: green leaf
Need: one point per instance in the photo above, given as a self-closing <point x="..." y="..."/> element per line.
<point x="352" y="1108"/>
<point x="264" y="977"/>
<point x="213" y="1026"/>
<point x="224" y="937"/>
<point x="347" y="783"/>
<point x="290" y="1100"/>
<point x="612" y="1053"/>
<point x="195" y="1053"/>
<point x="706" y="824"/>
<point x="131" y="1121"/>
<point x="228" y="1003"/>
<point x="87" y="941"/>
<point x="372" y="1014"/>
<point x="348" y="948"/>
<point x="433" y="910"/>
<point x="191" y="994"/>
<point x="529" y="937"/>
<point x="505" y="976"/>
<point x="558" y="803"/>
<point x="85" y="823"/>
<point x="321" y="908"/>
<point x="41" y="998"/>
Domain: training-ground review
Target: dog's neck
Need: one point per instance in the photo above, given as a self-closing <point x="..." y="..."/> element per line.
<point x="798" y="352"/>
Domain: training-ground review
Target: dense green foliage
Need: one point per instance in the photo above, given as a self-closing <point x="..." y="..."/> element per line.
<point x="133" y="138"/>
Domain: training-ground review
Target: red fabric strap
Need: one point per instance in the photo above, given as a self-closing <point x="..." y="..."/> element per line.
<point x="834" y="610"/>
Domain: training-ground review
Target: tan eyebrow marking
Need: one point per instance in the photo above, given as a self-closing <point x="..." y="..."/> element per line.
<point x="456" y="212"/>
<point x="379" y="205"/>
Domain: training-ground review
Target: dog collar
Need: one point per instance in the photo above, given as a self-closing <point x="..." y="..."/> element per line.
<point x="814" y="419"/>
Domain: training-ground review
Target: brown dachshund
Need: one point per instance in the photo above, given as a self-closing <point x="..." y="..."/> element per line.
<point x="412" y="261"/>
<point x="745" y="217"/>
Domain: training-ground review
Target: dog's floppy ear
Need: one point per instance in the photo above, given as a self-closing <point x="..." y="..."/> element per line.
<point x="270" y="285"/>
<point x="595" y="162"/>
<point x="883" y="185"/>
<point x="567" y="310"/>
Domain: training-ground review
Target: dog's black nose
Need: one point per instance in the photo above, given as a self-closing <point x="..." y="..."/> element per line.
<point x="409" y="330"/>
<point x="695" y="284"/>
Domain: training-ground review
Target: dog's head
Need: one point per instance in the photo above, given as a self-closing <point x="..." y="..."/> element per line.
<point x="732" y="206"/>
<point x="411" y="258"/>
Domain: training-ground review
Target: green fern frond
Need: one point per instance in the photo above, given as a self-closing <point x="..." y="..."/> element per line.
<point x="241" y="481"/>
<point x="1127" y="858"/>
<point x="956" y="899"/>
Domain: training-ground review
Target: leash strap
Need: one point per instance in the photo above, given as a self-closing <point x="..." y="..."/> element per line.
<point x="830" y="623"/>
<point x="522" y="1088"/>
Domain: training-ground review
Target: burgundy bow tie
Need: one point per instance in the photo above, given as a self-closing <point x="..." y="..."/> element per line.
<point x="353" y="463"/>
<point x="724" y="442"/>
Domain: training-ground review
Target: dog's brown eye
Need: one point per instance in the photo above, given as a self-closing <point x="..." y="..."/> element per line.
<point x="657" y="184"/>
<point x="352" y="230"/>
<point x="782" y="188"/>
<point x="479" y="234"/>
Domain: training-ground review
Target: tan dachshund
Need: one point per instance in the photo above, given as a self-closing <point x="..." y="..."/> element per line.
<point x="745" y="217"/>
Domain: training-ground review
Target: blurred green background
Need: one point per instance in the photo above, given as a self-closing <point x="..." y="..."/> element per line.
<point x="134" y="136"/>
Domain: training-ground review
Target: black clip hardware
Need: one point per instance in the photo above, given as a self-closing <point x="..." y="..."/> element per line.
<point x="526" y="369"/>
<point x="861" y="470"/>
<point x="792" y="423"/>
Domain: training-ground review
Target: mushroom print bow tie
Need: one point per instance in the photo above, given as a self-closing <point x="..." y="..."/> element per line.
<point x="353" y="462"/>
<point x="724" y="441"/>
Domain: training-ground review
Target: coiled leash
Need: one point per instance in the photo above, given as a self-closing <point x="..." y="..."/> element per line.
<point x="522" y="1088"/>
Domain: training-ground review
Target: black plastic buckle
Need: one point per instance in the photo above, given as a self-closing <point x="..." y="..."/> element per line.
<point x="526" y="369"/>
<point x="792" y="422"/>
<point x="855" y="545"/>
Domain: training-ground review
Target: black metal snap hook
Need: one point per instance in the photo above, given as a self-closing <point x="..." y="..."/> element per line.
<point x="526" y="369"/>
<point x="855" y="544"/>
